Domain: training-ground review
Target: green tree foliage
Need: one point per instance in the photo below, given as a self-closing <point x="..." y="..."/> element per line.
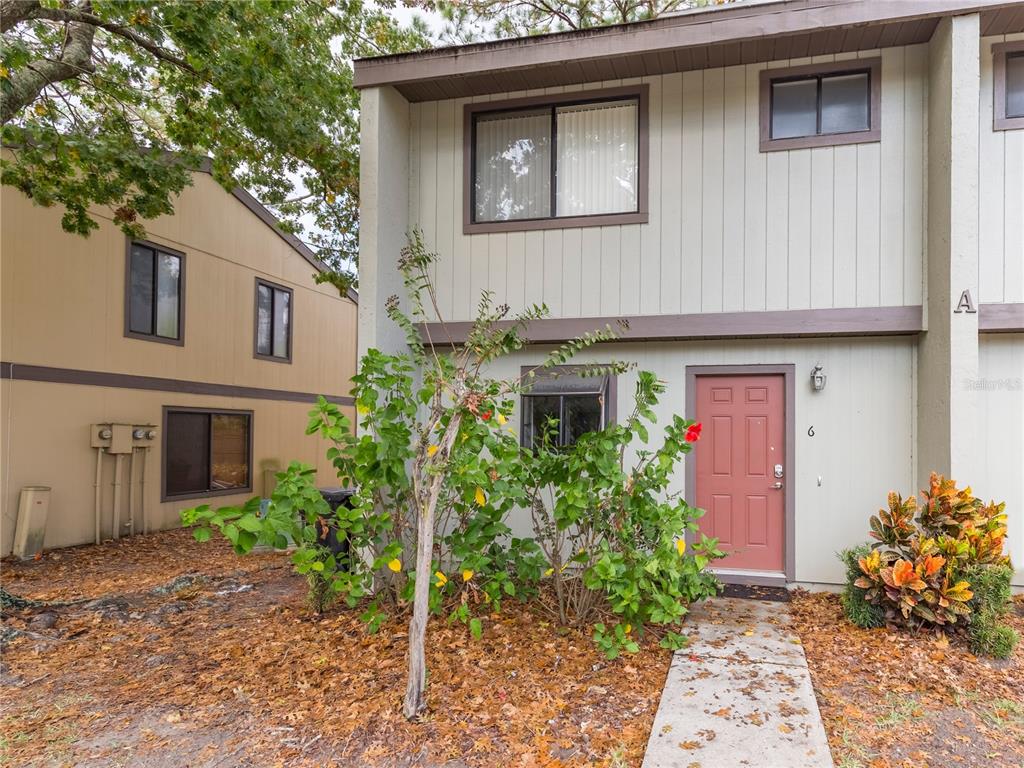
<point x="475" y="20"/>
<point x="110" y="103"/>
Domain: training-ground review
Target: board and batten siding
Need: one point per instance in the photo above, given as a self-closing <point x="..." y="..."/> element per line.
<point x="1000" y="196"/>
<point x="730" y="229"/>
<point x="864" y="427"/>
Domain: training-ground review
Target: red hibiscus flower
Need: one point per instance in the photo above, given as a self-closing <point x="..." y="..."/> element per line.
<point x="486" y="415"/>
<point x="693" y="432"/>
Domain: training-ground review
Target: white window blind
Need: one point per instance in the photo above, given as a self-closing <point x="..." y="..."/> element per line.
<point x="597" y="162"/>
<point x="513" y="166"/>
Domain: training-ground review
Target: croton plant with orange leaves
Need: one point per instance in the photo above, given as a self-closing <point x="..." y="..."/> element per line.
<point x="915" y="570"/>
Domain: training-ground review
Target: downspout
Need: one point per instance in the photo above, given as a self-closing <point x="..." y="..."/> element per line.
<point x="142" y="489"/>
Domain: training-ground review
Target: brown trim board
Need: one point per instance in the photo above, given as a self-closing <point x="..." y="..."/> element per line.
<point x="792" y="323"/>
<point x="1001" y="318"/>
<point x="19" y="372"/>
<point x="737" y="24"/>
<point x="788" y="372"/>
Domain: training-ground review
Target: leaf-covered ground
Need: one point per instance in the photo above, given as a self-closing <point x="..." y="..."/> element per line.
<point x="193" y="656"/>
<point x="898" y="700"/>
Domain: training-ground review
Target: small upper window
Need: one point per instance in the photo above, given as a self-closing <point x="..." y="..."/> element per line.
<point x="573" y="161"/>
<point x="155" y="289"/>
<point x="273" y="322"/>
<point x="816" y="106"/>
<point x="561" y="405"/>
<point x="1008" y="79"/>
<point x="206" y="453"/>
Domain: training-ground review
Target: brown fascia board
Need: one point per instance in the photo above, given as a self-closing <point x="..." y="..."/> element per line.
<point x="720" y="25"/>
<point x="263" y="213"/>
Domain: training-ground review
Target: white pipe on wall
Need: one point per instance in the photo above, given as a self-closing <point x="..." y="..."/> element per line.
<point x="142" y="489"/>
<point x="115" y="515"/>
<point x="97" y="491"/>
<point x="131" y="477"/>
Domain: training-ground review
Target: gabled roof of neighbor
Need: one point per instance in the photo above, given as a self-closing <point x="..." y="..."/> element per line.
<point x="726" y="35"/>
<point x="263" y="214"/>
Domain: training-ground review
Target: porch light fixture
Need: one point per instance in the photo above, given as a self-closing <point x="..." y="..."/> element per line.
<point x="818" y="379"/>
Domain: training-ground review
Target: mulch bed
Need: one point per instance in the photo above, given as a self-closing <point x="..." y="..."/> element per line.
<point x="227" y="667"/>
<point x="895" y="699"/>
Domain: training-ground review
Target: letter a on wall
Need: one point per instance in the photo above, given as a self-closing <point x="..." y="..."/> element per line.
<point x="966" y="303"/>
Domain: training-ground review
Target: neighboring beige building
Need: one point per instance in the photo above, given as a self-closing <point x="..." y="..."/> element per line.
<point x="765" y="191"/>
<point x="209" y="341"/>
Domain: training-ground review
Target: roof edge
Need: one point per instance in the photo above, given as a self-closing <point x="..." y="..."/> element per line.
<point x="720" y="25"/>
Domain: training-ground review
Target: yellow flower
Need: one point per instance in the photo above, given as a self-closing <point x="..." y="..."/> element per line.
<point x="441" y="579"/>
<point x="501" y="419"/>
<point x="362" y="409"/>
<point x="479" y="497"/>
<point x="628" y="628"/>
<point x="681" y="546"/>
<point x="431" y="450"/>
<point x="4" y="72"/>
<point x="549" y="571"/>
<point x="395" y="565"/>
<point x="467" y="575"/>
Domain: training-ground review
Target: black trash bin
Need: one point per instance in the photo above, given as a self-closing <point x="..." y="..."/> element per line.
<point x="338" y="544"/>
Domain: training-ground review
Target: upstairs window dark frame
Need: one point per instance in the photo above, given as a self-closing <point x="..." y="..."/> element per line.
<point x="873" y="69"/>
<point x="178" y="340"/>
<point x="1000" y="53"/>
<point x="608" y="394"/>
<point x="169" y="409"/>
<point x="256" y="321"/>
<point x="624" y="93"/>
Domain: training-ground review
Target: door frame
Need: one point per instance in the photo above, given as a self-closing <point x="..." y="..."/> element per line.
<point x="788" y="372"/>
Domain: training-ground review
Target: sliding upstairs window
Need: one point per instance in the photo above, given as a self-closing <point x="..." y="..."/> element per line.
<point x="577" y="161"/>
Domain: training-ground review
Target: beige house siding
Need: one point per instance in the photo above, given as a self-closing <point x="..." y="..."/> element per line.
<point x="730" y="228"/>
<point x="63" y="308"/>
<point x="1001" y="196"/>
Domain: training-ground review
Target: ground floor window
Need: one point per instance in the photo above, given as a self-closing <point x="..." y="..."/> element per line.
<point x="206" y="452"/>
<point x="562" y="404"/>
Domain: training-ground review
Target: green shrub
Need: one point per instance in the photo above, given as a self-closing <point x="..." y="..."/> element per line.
<point x="989" y="637"/>
<point x="856" y="607"/>
<point x="938" y="565"/>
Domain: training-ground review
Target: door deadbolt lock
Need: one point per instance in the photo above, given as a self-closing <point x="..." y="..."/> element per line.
<point x="778" y="470"/>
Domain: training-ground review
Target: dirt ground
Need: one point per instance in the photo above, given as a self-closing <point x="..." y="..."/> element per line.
<point x="897" y="700"/>
<point x="187" y="655"/>
<point x="192" y="656"/>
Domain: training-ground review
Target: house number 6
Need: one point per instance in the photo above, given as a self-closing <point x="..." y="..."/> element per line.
<point x="810" y="431"/>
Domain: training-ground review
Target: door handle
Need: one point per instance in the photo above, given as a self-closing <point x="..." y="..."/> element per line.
<point x="777" y="486"/>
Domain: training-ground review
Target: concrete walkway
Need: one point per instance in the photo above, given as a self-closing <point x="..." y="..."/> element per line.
<point x="739" y="694"/>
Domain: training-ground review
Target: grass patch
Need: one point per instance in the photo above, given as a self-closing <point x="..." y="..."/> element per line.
<point x="901" y="710"/>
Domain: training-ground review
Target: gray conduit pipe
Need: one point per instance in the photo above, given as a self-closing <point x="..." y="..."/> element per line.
<point x="116" y="516"/>
<point x="142" y="489"/>
<point x="131" y="477"/>
<point x="97" y="492"/>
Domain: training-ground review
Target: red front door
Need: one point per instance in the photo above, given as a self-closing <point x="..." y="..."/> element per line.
<point x="737" y="483"/>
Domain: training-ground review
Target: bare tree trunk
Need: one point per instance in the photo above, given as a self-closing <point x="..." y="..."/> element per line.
<point x="415" y="692"/>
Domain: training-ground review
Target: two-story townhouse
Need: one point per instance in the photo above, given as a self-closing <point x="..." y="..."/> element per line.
<point x="143" y="377"/>
<point x="811" y="212"/>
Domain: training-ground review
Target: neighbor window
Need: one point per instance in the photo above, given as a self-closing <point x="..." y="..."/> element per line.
<point x="573" y="161"/>
<point x="273" y="321"/>
<point x="155" y="289"/>
<point x="820" y="106"/>
<point x="561" y="405"/>
<point x="207" y="452"/>
<point x="1008" y="79"/>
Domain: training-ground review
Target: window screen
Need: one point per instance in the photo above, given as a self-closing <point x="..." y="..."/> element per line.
<point x="561" y="406"/>
<point x="820" y="105"/>
<point x="206" y="452"/>
<point x="273" y="321"/>
<point x="1015" y="85"/>
<point x="154" y="292"/>
<point x="578" y="159"/>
